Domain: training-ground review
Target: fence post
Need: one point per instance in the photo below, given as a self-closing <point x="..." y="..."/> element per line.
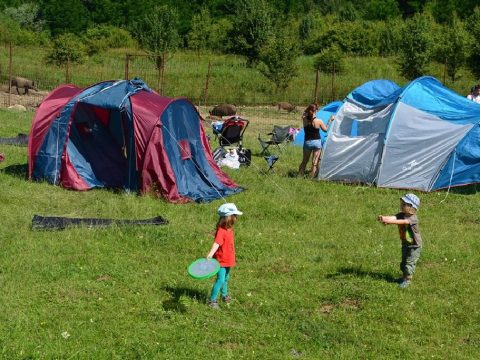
<point x="127" y="61"/>
<point x="317" y="83"/>
<point x="205" y="98"/>
<point x="445" y="71"/>
<point x="67" y="72"/>
<point x="159" y="76"/>
<point x="161" y="72"/>
<point x="333" y="83"/>
<point x="10" y="76"/>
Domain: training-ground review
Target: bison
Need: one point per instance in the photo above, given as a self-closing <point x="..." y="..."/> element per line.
<point x="224" y="110"/>
<point x="26" y="84"/>
<point x="286" y="106"/>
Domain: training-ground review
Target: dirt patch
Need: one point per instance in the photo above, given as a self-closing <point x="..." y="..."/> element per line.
<point x="103" y="278"/>
<point x="347" y="303"/>
<point x="326" y="308"/>
<point x="31" y="100"/>
<point x="352" y="304"/>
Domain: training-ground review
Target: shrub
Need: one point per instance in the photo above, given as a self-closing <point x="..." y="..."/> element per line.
<point x="415" y="46"/>
<point x="219" y="40"/>
<point x="199" y="36"/>
<point x="278" y="59"/>
<point x="102" y="37"/>
<point x="27" y="16"/>
<point x="389" y="37"/>
<point x="329" y="57"/>
<point x="452" y="47"/>
<point x="352" y="37"/>
<point x="252" y="28"/>
<point x="66" y="48"/>
<point x="473" y="26"/>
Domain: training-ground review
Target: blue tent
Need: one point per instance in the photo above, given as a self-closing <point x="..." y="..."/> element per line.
<point x="421" y="136"/>
<point x="323" y="114"/>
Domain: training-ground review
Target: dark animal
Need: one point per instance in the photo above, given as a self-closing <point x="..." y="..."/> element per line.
<point x="286" y="106"/>
<point x="26" y="84"/>
<point x="224" y="110"/>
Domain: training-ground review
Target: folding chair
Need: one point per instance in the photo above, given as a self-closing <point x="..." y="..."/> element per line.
<point x="279" y="137"/>
<point x="232" y="132"/>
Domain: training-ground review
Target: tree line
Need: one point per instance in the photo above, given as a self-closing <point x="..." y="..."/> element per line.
<point x="271" y="34"/>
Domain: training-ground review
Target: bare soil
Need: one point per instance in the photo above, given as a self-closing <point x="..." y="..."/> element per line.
<point x="31" y="100"/>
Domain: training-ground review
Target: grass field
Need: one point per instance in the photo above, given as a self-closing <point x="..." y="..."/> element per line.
<point x="230" y="81"/>
<point x="315" y="274"/>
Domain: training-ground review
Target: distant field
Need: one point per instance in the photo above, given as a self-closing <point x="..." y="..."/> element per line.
<point x="315" y="274"/>
<point x="231" y="81"/>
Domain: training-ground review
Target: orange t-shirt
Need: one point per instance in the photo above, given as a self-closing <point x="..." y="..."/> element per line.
<point x="226" y="252"/>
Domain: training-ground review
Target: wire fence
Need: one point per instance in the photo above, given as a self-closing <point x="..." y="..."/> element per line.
<point x="207" y="80"/>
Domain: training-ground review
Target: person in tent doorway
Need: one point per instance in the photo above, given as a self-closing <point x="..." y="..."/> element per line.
<point x="409" y="231"/>
<point x="223" y="250"/>
<point x="312" y="142"/>
<point x="474" y="94"/>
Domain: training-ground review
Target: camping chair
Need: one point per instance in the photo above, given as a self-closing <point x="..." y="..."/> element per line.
<point x="279" y="137"/>
<point x="232" y="132"/>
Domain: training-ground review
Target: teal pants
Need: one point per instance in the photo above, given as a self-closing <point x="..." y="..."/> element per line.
<point x="221" y="284"/>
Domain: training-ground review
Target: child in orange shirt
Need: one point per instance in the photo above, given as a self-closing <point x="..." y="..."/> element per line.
<point x="223" y="250"/>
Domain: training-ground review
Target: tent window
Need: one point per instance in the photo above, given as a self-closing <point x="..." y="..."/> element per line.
<point x="362" y="128"/>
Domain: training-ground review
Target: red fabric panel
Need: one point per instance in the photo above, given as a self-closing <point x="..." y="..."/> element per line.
<point x="48" y="110"/>
<point x="69" y="177"/>
<point x="156" y="173"/>
<point x="103" y="115"/>
<point x="185" y="151"/>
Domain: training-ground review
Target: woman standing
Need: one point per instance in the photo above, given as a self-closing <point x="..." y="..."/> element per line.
<point x="313" y="142"/>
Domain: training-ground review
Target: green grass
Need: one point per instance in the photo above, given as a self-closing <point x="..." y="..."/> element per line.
<point x="231" y="81"/>
<point x="313" y="281"/>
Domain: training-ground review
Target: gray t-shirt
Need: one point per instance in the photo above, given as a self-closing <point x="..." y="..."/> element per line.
<point x="409" y="234"/>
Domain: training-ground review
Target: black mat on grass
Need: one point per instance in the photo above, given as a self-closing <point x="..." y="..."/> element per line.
<point x="20" y="140"/>
<point x="59" y="223"/>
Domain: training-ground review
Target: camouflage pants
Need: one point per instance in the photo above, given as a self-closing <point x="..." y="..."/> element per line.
<point x="410" y="256"/>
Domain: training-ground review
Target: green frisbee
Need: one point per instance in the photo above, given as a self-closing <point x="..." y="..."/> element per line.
<point x="203" y="268"/>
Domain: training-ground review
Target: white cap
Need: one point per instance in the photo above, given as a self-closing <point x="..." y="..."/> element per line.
<point x="228" y="209"/>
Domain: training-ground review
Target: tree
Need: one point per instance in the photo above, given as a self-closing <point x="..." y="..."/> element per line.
<point x="443" y="10"/>
<point x="381" y="10"/>
<point x="157" y="34"/>
<point x="66" y="16"/>
<point x="67" y="48"/>
<point x="473" y="25"/>
<point x="453" y="47"/>
<point x="415" y="47"/>
<point x="27" y="16"/>
<point x="328" y="59"/>
<point x="278" y="59"/>
<point x="199" y="36"/>
<point x="252" y="28"/>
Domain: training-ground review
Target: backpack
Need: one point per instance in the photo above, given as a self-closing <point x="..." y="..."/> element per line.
<point x="245" y="157"/>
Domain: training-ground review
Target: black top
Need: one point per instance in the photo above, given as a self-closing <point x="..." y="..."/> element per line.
<point x="311" y="133"/>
